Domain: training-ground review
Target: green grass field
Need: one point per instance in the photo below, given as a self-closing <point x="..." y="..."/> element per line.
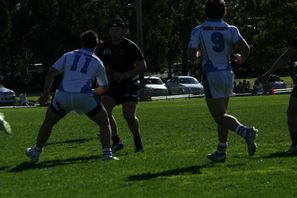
<point x="177" y="135"/>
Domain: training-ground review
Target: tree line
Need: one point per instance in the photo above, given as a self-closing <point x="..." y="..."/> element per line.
<point x="39" y="31"/>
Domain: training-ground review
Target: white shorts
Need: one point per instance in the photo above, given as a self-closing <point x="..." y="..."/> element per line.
<point x="64" y="102"/>
<point x="218" y="84"/>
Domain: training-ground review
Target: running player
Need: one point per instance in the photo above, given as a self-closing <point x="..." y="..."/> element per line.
<point x="213" y="41"/>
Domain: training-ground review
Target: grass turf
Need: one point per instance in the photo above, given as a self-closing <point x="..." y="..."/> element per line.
<point x="177" y="136"/>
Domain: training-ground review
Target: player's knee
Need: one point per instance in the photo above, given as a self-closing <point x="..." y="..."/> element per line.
<point x="219" y="118"/>
<point x="129" y="117"/>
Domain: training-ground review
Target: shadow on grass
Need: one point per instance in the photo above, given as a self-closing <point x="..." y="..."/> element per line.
<point x="179" y="171"/>
<point x="74" y="141"/>
<point x="173" y="172"/>
<point x="51" y="163"/>
<point x="279" y="154"/>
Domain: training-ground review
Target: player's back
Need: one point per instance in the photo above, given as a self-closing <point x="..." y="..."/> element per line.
<point x="215" y="39"/>
<point x="80" y="68"/>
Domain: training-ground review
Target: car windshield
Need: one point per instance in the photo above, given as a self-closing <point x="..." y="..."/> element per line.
<point x="153" y="81"/>
<point x="188" y="81"/>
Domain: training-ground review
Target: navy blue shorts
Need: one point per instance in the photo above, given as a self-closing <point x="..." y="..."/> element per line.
<point x="121" y="95"/>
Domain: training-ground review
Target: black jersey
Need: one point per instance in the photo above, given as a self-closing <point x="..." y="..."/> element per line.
<point x="120" y="57"/>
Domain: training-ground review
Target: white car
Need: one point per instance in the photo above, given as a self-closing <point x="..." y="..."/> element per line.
<point x="7" y="96"/>
<point x="154" y="86"/>
<point x="184" y="85"/>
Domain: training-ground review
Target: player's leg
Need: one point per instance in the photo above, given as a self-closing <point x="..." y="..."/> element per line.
<point x="221" y="152"/>
<point x="129" y="111"/>
<point x="51" y="118"/>
<point x="223" y="131"/>
<point x="217" y="108"/>
<point x="109" y="103"/>
<point x="99" y="115"/>
<point x="4" y="125"/>
<point x="218" y="88"/>
<point x="292" y="120"/>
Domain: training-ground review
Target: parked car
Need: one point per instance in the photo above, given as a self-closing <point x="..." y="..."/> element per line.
<point x="184" y="85"/>
<point x="7" y="96"/>
<point x="154" y="86"/>
<point x="276" y="82"/>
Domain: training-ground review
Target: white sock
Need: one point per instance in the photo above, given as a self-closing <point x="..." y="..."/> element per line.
<point x="107" y="152"/>
<point x="241" y="130"/>
<point x="222" y="148"/>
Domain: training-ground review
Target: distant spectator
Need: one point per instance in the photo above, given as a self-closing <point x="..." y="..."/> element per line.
<point x="23" y="100"/>
<point x="257" y="88"/>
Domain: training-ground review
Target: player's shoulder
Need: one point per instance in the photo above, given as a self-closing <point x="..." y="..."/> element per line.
<point x="230" y="26"/>
<point x="129" y="44"/>
<point x="197" y="29"/>
<point x="127" y="41"/>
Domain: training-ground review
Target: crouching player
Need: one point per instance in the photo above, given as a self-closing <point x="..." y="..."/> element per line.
<point x="80" y="68"/>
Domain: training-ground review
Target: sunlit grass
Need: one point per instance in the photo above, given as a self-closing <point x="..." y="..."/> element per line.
<point x="177" y="136"/>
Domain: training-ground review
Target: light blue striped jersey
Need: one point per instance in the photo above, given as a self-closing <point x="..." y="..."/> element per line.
<point x="215" y="39"/>
<point x="81" y="67"/>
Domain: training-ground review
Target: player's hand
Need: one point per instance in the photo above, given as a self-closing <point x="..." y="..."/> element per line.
<point x="238" y="59"/>
<point x="44" y="100"/>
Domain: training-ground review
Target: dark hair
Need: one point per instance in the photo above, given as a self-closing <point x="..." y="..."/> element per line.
<point x="89" y="39"/>
<point x="116" y="22"/>
<point x="215" y="9"/>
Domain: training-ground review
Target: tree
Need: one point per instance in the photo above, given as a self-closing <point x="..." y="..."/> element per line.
<point x="278" y="27"/>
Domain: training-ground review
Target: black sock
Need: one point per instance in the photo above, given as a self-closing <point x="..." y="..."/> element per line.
<point x="294" y="139"/>
<point x="137" y="139"/>
<point x="116" y="139"/>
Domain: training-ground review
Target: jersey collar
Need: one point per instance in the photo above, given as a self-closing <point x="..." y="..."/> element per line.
<point x="214" y="20"/>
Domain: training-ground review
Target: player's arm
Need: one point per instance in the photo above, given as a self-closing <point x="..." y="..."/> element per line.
<point x="244" y="48"/>
<point x="139" y="67"/>
<point x="282" y="60"/>
<point x="49" y="79"/>
<point x="102" y="82"/>
<point x="100" y="90"/>
<point x="193" y="54"/>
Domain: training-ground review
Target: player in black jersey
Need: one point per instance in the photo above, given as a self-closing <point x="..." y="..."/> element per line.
<point x="282" y="60"/>
<point x="123" y="61"/>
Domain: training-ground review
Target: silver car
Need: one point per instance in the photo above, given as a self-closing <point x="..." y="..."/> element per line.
<point x="7" y="96"/>
<point x="184" y="85"/>
<point x="154" y="86"/>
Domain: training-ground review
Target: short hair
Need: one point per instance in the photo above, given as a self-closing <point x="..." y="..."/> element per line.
<point x="89" y="39"/>
<point x="116" y="22"/>
<point x="215" y="9"/>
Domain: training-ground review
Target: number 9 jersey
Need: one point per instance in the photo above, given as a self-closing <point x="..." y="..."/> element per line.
<point x="215" y="39"/>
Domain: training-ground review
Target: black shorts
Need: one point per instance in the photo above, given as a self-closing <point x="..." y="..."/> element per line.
<point x="121" y="95"/>
<point x="294" y="91"/>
